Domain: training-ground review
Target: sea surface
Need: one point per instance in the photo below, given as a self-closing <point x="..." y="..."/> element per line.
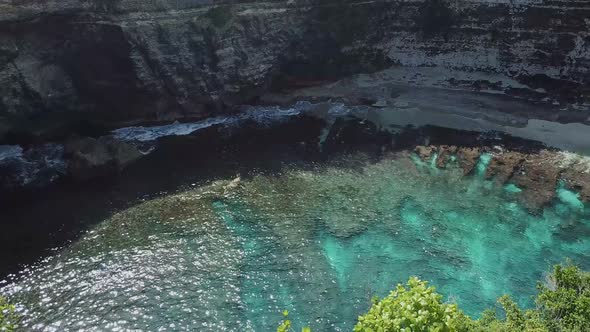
<point x="319" y="240"/>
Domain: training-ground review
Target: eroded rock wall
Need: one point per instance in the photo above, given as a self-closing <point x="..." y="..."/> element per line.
<point x="79" y="64"/>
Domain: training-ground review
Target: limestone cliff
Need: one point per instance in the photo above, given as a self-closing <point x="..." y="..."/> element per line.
<point x="83" y="64"/>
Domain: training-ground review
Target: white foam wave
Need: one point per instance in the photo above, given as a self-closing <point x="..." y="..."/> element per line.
<point x="10" y="152"/>
<point x="261" y="115"/>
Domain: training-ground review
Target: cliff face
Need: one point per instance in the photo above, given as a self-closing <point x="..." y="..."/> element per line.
<point x="84" y="63"/>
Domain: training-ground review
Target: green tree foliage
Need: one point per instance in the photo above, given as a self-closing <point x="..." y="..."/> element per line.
<point x="565" y="301"/>
<point x="9" y="319"/>
<point x="285" y="325"/>
<point x="562" y="305"/>
<point x="414" y="307"/>
<point x="515" y="319"/>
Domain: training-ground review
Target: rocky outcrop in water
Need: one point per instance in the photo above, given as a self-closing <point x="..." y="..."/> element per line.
<point x="536" y="174"/>
<point x="81" y="65"/>
<point x="89" y="157"/>
<point x="468" y="158"/>
<point x="80" y="159"/>
<point x="34" y="167"/>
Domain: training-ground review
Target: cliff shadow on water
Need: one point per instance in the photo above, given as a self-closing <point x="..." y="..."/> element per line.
<point x="37" y="221"/>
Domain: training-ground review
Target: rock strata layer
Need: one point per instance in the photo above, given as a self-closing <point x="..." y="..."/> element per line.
<point x="69" y="64"/>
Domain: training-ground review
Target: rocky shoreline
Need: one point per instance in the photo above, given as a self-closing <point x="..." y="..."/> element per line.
<point x="81" y="159"/>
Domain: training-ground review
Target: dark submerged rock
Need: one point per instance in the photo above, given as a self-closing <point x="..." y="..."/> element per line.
<point x="88" y="157"/>
<point x="33" y="167"/>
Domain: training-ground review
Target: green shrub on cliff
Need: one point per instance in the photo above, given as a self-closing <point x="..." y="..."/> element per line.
<point x="564" y="302"/>
<point x="515" y="319"/>
<point x="285" y="325"/>
<point x="416" y="307"/>
<point x="8" y="317"/>
<point x="562" y="305"/>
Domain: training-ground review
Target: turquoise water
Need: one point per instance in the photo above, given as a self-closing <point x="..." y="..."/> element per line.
<point x="319" y="242"/>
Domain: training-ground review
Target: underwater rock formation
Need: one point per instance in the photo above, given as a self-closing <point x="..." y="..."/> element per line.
<point x="79" y="65"/>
